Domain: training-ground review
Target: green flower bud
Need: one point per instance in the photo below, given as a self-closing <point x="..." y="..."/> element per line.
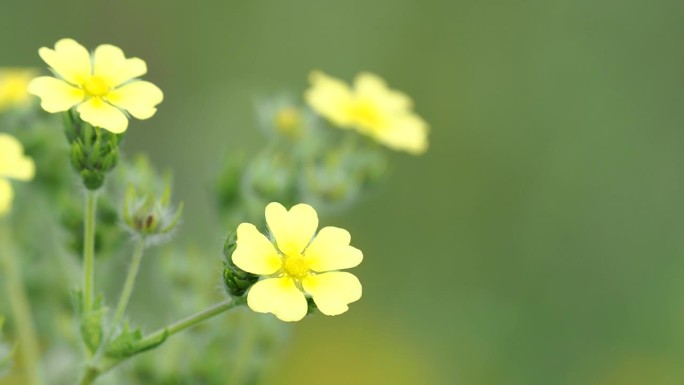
<point x="150" y="216"/>
<point x="147" y="210"/>
<point x="94" y="152"/>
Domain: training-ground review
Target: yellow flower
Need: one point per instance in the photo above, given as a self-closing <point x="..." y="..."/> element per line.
<point x="300" y="263"/>
<point x="102" y="86"/>
<point x="14" y="165"/>
<point x="371" y="108"/>
<point x="13" y="84"/>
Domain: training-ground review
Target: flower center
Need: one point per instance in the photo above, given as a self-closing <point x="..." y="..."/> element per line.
<point x="296" y="266"/>
<point x="96" y="86"/>
<point x="366" y="114"/>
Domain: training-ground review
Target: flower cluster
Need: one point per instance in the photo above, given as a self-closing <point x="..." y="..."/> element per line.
<point x="290" y="270"/>
<point x="371" y="108"/>
<point x="101" y="86"/>
<point x="297" y="264"/>
<point x="13" y="165"/>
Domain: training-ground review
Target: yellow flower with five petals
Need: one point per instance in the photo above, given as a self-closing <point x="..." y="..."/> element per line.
<point x="101" y="86"/>
<point x="13" y="165"/>
<point x="371" y="108"/>
<point x="297" y="264"/>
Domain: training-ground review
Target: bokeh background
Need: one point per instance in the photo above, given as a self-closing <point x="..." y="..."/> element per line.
<point x="539" y="241"/>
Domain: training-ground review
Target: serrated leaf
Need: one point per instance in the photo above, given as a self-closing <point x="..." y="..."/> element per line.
<point x="123" y="345"/>
<point x="131" y="342"/>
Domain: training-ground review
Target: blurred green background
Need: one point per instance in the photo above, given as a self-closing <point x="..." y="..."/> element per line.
<point x="539" y="241"/>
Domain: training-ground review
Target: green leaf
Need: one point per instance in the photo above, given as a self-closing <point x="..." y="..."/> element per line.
<point x="91" y="325"/>
<point x="130" y="342"/>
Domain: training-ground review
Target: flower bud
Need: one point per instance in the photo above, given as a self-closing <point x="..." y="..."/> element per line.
<point x="147" y="209"/>
<point x="289" y="122"/>
<point x="94" y="152"/>
<point x="281" y="116"/>
<point x="148" y="215"/>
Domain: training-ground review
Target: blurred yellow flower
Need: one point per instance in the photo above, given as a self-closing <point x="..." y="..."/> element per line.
<point x="13" y="87"/>
<point x="102" y="86"/>
<point x="300" y="263"/>
<point x="13" y="165"/>
<point x="371" y="108"/>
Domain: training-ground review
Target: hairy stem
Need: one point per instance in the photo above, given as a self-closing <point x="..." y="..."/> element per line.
<point x="21" y="309"/>
<point x="89" y="252"/>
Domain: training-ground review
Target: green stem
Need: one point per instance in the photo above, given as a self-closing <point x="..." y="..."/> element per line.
<point x="21" y="309"/>
<point x="91" y="372"/>
<point x="193" y="320"/>
<point x="125" y="295"/>
<point x="89" y="252"/>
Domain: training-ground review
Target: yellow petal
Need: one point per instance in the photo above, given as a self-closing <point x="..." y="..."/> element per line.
<point x="255" y="253"/>
<point x="332" y="292"/>
<point x="6" y="196"/>
<point x="139" y="98"/>
<point x="13" y="163"/>
<point x="330" y="97"/>
<point x="69" y="59"/>
<point x="292" y="229"/>
<point x="111" y="64"/>
<point x="330" y="250"/>
<point x="371" y="87"/>
<point x="407" y="133"/>
<point x="101" y="114"/>
<point x="279" y="296"/>
<point x="56" y="95"/>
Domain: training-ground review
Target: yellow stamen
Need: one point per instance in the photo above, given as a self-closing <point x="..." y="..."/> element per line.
<point x="296" y="266"/>
<point x="96" y="86"/>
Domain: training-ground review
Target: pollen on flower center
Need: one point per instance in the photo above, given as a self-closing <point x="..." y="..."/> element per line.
<point x="96" y="86"/>
<point x="296" y="266"/>
<point x="366" y="114"/>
